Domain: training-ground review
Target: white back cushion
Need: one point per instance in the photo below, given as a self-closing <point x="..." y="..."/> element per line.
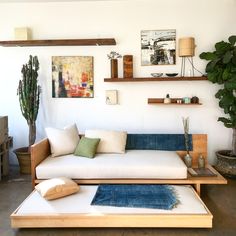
<point x="63" y="141"/>
<point x="110" y="141"/>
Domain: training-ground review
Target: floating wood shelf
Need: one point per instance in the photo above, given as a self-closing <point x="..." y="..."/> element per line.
<point x="59" y="42"/>
<point x="145" y="79"/>
<point x="160" y="101"/>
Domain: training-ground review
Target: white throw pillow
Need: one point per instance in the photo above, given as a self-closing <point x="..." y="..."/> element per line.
<point x="63" y="141"/>
<point x="110" y="141"/>
<point x="56" y="188"/>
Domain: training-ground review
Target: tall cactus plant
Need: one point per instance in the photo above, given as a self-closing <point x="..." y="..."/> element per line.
<point x="29" y="95"/>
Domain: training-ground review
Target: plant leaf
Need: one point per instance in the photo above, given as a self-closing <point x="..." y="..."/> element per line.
<point x="234" y="59"/>
<point x="232" y="39"/>
<point x="230" y="84"/>
<point x="227" y="57"/>
<point x="208" y="56"/>
<point x="222" y="47"/>
<point x="226" y="75"/>
<point x="227" y="122"/>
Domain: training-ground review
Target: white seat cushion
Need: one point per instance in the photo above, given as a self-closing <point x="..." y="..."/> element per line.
<point x="143" y="164"/>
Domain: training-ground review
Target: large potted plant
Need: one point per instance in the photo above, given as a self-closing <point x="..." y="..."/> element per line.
<point x="29" y="97"/>
<point x="221" y="69"/>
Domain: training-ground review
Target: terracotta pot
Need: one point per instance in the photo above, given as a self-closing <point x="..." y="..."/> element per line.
<point x="24" y="159"/>
<point x="226" y="164"/>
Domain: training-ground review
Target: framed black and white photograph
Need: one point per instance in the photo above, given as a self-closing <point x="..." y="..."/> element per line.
<point x="158" y="47"/>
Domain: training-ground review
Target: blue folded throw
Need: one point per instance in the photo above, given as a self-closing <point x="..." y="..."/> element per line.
<point x="169" y="142"/>
<point x="135" y="195"/>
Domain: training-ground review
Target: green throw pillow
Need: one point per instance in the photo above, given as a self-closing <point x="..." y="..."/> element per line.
<point x="87" y="147"/>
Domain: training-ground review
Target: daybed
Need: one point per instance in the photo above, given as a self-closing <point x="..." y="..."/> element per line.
<point x="135" y="166"/>
<point x="76" y="210"/>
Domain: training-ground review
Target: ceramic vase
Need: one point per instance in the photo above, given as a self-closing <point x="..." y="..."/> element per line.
<point x="188" y="160"/>
<point x="114" y="68"/>
<point x="201" y="162"/>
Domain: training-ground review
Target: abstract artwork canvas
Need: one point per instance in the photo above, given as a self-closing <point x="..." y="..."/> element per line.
<point x="158" y="47"/>
<point x="72" y="77"/>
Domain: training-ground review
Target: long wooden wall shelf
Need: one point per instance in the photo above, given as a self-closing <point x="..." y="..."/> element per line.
<point x="59" y="42"/>
<point x="160" y="101"/>
<point x="145" y="79"/>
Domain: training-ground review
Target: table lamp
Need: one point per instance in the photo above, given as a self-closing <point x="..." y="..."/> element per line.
<point x="186" y="50"/>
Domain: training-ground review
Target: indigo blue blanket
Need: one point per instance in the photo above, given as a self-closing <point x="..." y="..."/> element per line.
<point x="169" y="142"/>
<point x="140" y="196"/>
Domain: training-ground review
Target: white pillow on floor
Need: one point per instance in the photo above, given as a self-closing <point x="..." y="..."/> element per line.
<point x="63" y="141"/>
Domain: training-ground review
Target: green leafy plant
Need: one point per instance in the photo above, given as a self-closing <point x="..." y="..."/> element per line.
<point x="221" y="69"/>
<point x="29" y="95"/>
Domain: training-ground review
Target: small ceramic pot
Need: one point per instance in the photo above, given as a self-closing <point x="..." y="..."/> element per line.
<point x="187" y="100"/>
<point x="194" y="99"/>
<point x="201" y="162"/>
<point x="188" y="160"/>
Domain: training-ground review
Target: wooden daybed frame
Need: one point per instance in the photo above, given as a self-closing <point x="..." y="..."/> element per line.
<point x="41" y="150"/>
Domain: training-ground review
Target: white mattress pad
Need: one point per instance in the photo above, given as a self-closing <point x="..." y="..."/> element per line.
<point x="189" y="203"/>
<point x="145" y="164"/>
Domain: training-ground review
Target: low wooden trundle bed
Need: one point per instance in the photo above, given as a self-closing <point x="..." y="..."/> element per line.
<point x="75" y="210"/>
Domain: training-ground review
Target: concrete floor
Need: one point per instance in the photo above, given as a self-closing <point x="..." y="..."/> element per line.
<point x="220" y="200"/>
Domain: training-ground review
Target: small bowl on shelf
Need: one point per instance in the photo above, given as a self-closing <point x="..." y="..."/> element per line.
<point x="156" y="74"/>
<point x="171" y="74"/>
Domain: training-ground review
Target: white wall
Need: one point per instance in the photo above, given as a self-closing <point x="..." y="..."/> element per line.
<point x="208" y="21"/>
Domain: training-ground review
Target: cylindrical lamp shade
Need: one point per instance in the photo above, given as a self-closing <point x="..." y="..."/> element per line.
<point x="187" y="47"/>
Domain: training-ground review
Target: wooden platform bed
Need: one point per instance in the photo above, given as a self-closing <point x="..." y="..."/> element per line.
<point x="22" y="218"/>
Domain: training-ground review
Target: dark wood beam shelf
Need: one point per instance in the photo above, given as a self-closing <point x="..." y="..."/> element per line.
<point x="160" y="101"/>
<point x="145" y="79"/>
<point x="59" y="42"/>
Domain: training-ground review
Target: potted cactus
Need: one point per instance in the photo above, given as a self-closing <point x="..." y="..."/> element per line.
<point x="29" y="97"/>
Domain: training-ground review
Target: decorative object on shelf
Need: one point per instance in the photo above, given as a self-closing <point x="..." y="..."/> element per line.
<point x="188" y="160"/>
<point x="113" y="56"/>
<point x="128" y="66"/>
<point x="156" y="74"/>
<point x="186" y="50"/>
<point x="158" y="47"/>
<point x="194" y="99"/>
<point x="72" y="77"/>
<point x="29" y="98"/>
<point x="23" y="33"/>
<point x="171" y="74"/>
<point x="167" y="99"/>
<point x="201" y="161"/>
<point x="111" y="97"/>
<point x="187" y="157"/>
<point x="179" y="101"/>
<point x="187" y="100"/>
<point x="221" y="70"/>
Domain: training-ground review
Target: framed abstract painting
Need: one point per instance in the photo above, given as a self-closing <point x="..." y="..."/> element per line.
<point x="72" y="77"/>
<point x="158" y="47"/>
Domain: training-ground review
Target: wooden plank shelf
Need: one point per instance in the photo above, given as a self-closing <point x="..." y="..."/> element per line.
<point x="146" y="79"/>
<point x="59" y="42"/>
<point x="160" y="101"/>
